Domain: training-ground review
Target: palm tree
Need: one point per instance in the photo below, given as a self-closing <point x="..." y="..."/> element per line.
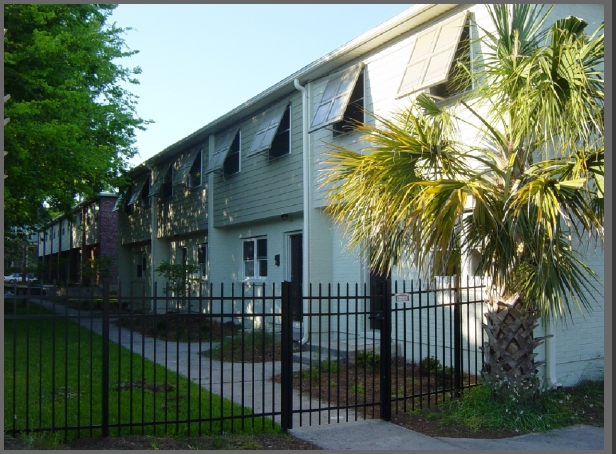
<point x="524" y="194"/>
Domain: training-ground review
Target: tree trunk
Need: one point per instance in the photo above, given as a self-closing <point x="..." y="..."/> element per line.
<point x="509" y="353"/>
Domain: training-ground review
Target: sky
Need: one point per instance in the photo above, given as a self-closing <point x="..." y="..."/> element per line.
<point x="200" y="61"/>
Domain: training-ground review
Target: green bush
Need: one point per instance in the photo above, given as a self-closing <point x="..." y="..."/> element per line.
<point x="368" y="359"/>
<point x="431" y="366"/>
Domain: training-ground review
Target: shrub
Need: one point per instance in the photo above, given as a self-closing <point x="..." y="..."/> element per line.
<point x="369" y="359"/>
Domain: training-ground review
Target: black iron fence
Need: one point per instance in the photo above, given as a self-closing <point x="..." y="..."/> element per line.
<point x="234" y="358"/>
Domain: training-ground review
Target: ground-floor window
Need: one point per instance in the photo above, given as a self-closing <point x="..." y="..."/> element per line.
<point x="202" y="260"/>
<point x="255" y="258"/>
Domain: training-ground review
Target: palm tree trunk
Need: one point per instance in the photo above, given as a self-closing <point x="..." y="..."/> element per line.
<point x="509" y="352"/>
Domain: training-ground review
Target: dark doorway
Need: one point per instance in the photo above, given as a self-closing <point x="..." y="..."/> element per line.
<point x="296" y="272"/>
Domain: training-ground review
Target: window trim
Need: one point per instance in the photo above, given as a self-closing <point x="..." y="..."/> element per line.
<point x="416" y="74"/>
<point x="335" y="98"/>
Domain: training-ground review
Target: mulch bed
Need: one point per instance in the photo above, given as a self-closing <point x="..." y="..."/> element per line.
<point x="359" y="386"/>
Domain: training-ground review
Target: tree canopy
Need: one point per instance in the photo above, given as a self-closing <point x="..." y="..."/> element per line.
<point x="72" y="121"/>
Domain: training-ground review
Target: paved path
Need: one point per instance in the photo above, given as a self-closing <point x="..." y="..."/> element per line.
<point x="225" y="379"/>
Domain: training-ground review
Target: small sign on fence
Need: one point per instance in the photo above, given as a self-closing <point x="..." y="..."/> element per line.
<point x="402" y="297"/>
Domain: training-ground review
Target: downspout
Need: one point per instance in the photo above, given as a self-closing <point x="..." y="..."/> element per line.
<point x="306" y="193"/>
<point x="154" y="227"/>
<point x="550" y="356"/>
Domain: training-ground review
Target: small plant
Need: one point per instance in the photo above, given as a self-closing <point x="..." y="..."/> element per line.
<point x="369" y="359"/>
<point x="179" y="277"/>
<point x="329" y="365"/>
<point x="432" y="366"/>
<point x="311" y="374"/>
<point x="358" y="389"/>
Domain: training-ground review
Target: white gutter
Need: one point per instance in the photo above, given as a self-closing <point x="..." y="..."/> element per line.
<point x="306" y="193"/>
<point x="550" y="356"/>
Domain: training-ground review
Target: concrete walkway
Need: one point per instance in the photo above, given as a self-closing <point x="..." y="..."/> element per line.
<point x="225" y="379"/>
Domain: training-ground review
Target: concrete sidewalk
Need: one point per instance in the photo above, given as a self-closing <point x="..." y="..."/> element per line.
<point x="384" y="436"/>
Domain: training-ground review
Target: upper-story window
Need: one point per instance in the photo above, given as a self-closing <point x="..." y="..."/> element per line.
<point x="434" y="63"/>
<point x="334" y="104"/>
<point x="354" y="112"/>
<point x="167" y="186"/>
<point x="145" y="192"/>
<point x="227" y="154"/>
<point x="231" y="165"/>
<point x="194" y="176"/>
<point x="273" y="133"/>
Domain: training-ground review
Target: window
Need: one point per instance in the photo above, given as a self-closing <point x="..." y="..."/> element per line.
<point x="226" y="143"/>
<point x="163" y="183"/>
<point x="281" y="145"/>
<point x="167" y="187"/>
<point x="354" y="112"/>
<point x="335" y="98"/>
<point x="194" y="176"/>
<point x="432" y="58"/>
<point x="202" y="260"/>
<point x="136" y="192"/>
<point x="255" y="258"/>
<point x="145" y="192"/>
<point x="189" y="170"/>
<point x="273" y="133"/>
<point x="141" y="264"/>
<point x="231" y="165"/>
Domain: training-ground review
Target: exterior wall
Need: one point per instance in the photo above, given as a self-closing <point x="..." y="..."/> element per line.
<point x="263" y="188"/>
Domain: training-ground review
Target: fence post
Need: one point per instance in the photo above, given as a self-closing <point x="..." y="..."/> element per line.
<point x="105" y="361"/>
<point x="457" y="337"/>
<point x="286" y="373"/>
<point x="386" y="352"/>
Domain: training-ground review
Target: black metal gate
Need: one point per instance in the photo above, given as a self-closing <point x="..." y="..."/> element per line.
<point x="425" y="350"/>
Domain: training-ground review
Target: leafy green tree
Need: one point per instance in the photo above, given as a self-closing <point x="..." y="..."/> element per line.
<point x="524" y="194"/>
<point x="72" y="121"/>
<point x="97" y="269"/>
<point x="178" y="277"/>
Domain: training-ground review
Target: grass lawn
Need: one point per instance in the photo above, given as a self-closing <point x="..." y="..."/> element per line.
<point x="53" y="371"/>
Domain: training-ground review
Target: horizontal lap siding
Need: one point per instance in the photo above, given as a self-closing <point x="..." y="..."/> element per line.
<point x="186" y="211"/>
<point x="136" y="227"/>
<point x="263" y="188"/>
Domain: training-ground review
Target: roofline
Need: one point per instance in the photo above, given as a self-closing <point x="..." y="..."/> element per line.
<point x="401" y="23"/>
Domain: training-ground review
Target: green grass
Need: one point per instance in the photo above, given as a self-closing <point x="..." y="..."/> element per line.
<point x="479" y="410"/>
<point x="57" y="382"/>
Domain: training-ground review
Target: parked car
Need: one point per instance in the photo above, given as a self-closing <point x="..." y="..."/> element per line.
<point x="16" y="277"/>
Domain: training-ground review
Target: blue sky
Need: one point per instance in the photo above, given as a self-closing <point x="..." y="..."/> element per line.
<point x="200" y="61"/>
